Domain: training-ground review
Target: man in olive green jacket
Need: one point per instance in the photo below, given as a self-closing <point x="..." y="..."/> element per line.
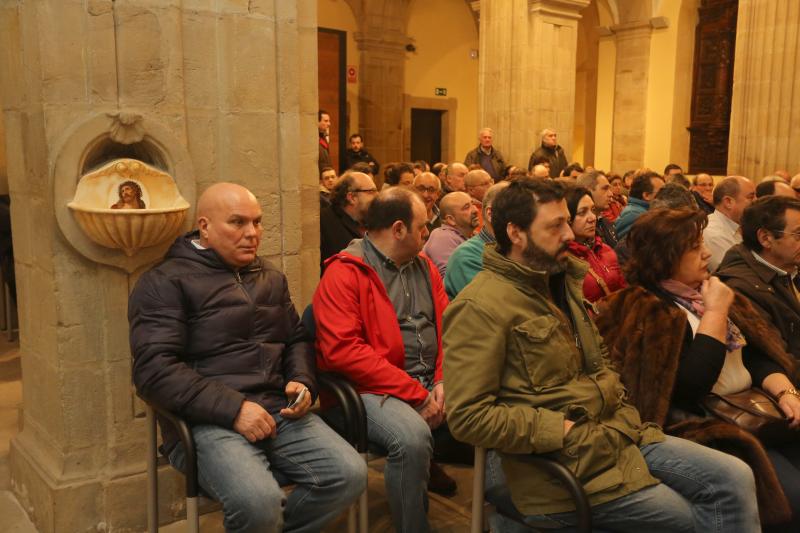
<point x="526" y="372"/>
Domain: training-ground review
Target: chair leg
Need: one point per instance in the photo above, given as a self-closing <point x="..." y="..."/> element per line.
<point x="363" y="506"/>
<point x="152" y="472"/>
<point x="192" y="515"/>
<point x="479" y="479"/>
<point x="352" y="519"/>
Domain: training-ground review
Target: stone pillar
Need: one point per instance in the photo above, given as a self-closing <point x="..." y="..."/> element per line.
<point x="630" y="95"/>
<point x="380" y="96"/>
<point x="381" y="40"/>
<point x="526" y="73"/>
<point x="765" y="112"/>
<point x="226" y="84"/>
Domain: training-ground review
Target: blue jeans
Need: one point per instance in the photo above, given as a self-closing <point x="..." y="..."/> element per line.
<point x="701" y="489"/>
<point x="246" y="478"/>
<point x="397" y="428"/>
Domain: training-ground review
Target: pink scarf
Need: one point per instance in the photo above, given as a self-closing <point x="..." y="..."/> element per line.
<point x="692" y="300"/>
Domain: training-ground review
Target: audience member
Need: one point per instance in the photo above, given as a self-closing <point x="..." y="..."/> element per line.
<point x="796" y="185"/>
<point x="764" y="266"/>
<point x="358" y="154"/>
<point x="671" y="196"/>
<point x="343" y="220"/>
<point x="399" y="174"/>
<point x="467" y="259"/>
<point x="679" y="179"/>
<point x="645" y="186"/>
<point x="216" y="339"/>
<point x="552" y="151"/>
<point x="604" y="276"/>
<point x="477" y="182"/>
<point x="703" y="190"/>
<point x="540" y="172"/>
<point x="324" y="126"/>
<point x="527" y="373"/>
<point x="429" y="188"/>
<point x="774" y="187"/>
<point x="617" y="201"/>
<point x="487" y="156"/>
<point x="454" y="178"/>
<point x="677" y="335"/>
<point x="671" y="170"/>
<point x="627" y="181"/>
<point x="378" y="311"/>
<point x="597" y="183"/>
<point x="326" y="180"/>
<point x="783" y="175"/>
<point x="420" y="166"/>
<point x="459" y="220"/>
<point x="439" y="169"/>
<point x="731" y="196"/>
<point x="572" y="172"/>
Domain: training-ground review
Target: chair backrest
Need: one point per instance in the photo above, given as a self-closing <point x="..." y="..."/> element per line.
<point x="308" y="322"/>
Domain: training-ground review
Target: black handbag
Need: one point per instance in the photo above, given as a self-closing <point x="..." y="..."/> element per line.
<point x="754" y="411"/>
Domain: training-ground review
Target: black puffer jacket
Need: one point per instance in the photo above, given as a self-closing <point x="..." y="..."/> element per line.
<point x="204" y="338"/>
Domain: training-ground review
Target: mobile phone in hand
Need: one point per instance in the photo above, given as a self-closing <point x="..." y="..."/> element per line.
<point x="298" y="399"/>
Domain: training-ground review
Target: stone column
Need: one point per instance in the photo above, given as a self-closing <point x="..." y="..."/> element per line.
<point x="765" y="112"/>
<point x="380" y="96"/>
<point x="382" y="39"/>
<point x="227" y="85"/>
<point x="630" y="95"/>
<point x="526" y="74"/>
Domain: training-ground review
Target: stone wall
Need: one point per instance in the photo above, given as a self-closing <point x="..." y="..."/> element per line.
<point x="231" y="83"/>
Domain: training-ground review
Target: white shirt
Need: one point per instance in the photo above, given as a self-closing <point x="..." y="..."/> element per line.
<point x="733" y="377"/>
<point x="720" y="235"/>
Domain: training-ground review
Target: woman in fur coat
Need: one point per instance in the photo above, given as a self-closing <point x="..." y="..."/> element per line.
<point x="677" y="334"/>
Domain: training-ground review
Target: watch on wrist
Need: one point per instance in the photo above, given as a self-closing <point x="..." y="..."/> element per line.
<point x="791" y="390"/>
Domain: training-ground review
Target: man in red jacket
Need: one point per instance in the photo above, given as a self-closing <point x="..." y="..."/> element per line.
<point x="378" y="310"/>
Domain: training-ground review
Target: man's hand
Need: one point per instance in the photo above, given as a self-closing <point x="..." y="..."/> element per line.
<point x="431" y="412"/>
<point x="438" y="397"/>
<point x="293" y="388"/>
<point x="254" y="422"/>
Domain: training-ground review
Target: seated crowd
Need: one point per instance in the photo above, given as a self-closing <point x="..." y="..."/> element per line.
<point x="559" y="310"/>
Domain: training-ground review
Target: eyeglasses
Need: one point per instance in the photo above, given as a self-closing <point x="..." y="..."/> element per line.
<point x="372" y="191"/>
<point x="794" y="234"/>
<point x="429" y="190"/>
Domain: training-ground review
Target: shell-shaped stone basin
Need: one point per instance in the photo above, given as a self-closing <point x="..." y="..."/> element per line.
<point x="113" y="213"/>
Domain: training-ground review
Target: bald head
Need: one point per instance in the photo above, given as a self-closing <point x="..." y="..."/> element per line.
<point x="454" y="178"/>
<point x="541" y="171"/>
<point x="458" y="210"/>
<point x="796" y="184"/>
<point x="476" y="182"/>
<point x="229" y="222"/>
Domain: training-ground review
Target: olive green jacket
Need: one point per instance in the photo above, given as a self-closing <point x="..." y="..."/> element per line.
<point x="513" y="373"/>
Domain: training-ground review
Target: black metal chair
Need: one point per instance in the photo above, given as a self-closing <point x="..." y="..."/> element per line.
<point x="500" y="497"/>
<point x="336" y="385"/>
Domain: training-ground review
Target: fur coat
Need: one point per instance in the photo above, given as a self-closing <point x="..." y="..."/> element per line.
<point x="636" y="323"/>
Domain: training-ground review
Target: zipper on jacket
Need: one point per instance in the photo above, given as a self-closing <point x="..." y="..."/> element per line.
<point x="237" y="276"/>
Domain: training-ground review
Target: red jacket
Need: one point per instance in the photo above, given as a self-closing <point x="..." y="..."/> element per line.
<point x="603" y="263"/>
<point x="358" y="335"/>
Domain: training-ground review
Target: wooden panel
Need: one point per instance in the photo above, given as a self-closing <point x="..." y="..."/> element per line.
<point x="712" y="88"/>
<point x="330" y="65"/>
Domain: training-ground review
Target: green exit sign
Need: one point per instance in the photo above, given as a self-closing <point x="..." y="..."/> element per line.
<point x="440" y="91"/>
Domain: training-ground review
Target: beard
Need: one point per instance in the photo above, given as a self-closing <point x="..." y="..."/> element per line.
<point x="538" y="259"/>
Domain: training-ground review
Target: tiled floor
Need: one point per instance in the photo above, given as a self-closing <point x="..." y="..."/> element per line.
<point x="447" y="515"/>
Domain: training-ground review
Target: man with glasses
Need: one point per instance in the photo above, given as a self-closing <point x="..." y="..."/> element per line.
<point x="429" y="188"/>
<point x="764" y="267"/>
<point x="343" y="220"/>
<point x="703" y="191"/>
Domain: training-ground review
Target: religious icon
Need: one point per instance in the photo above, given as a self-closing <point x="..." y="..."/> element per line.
<point x="130" y="196"/>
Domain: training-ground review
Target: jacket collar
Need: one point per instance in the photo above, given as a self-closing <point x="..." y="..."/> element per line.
<point x="639" y="202"/>
<point x="581" y="250"/>
<point x="184" y="249"/>
<point x="525" y="278"/>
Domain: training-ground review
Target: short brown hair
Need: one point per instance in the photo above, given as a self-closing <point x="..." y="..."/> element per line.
<point x="658" y="240"/>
